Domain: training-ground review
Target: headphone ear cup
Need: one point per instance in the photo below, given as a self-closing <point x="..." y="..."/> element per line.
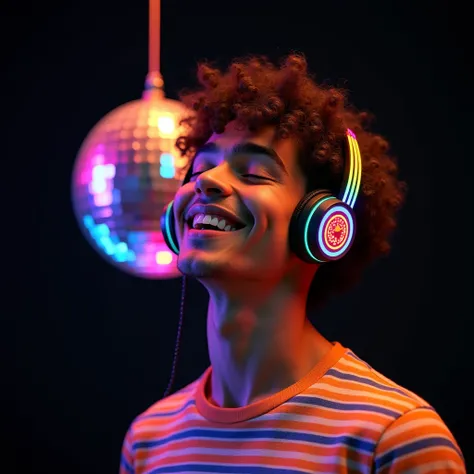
<point x="322" y="228"/>
<point x="168" y="229"/>
<point x="167" y="220"/>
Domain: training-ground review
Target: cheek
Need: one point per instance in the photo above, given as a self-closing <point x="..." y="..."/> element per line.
<point x="273" y="211"/>
<point x="181" y="201"/>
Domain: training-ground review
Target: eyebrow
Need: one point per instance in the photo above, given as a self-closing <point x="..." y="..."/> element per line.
<point x="247" y="148"/>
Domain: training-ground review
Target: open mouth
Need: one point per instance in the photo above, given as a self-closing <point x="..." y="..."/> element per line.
<point x="213" y="222"/>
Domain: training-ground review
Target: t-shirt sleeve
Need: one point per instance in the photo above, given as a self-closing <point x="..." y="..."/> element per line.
<point x="126" y="457"/>
<point x="418" y="442"/>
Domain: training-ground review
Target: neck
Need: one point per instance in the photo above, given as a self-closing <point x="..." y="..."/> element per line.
<point x="260" y="344"/>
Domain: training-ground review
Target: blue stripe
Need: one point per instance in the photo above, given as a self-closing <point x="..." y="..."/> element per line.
<point x="391" y="456"/>
<point x="353" y="443"/>
<point x="349" y="352"/>
<point x="366" y="381"/>
<point x="315" y="401"/>
<point x="125" y="464"/>
<point x="220" y="468"/>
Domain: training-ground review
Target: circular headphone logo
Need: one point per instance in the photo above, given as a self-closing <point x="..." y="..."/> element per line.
<point x="335" y="231"/>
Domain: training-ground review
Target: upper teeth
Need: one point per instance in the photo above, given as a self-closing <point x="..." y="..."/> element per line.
<point x="212" y="220"/>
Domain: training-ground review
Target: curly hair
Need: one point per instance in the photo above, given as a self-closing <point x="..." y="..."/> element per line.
<point x="256" y="92"/>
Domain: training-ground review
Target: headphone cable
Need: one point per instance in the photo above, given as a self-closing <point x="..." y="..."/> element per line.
<point x="178" y="338"/>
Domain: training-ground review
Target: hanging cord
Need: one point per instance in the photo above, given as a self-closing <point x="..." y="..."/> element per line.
<point x="154" y="75"/>
<point x="178" y="338"/>
<point x="154" y="20"/>
<point x="154" y="80"/>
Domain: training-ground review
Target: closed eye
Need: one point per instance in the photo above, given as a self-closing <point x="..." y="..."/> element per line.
<point x="256" y="176"/>
<point x="246" y="175"/>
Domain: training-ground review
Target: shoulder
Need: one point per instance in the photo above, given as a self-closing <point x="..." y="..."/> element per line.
<point x="412" y="436"/>
<point x="418" y="441"/>
<point x="360" y="383"/>
<point x="144" y="431"/>
<point x="164" y="410"/>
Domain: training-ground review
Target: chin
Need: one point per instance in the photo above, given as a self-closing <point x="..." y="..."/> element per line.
<point x="199" y="267"/>
<point x="215" y="267"/>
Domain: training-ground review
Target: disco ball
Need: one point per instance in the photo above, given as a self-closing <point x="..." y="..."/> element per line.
<point x="126" y="171"/>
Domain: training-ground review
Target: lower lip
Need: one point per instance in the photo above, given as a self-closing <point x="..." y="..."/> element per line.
<point x="210" y="234"/>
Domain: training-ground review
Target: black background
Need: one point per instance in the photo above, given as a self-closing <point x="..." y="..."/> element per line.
<point x="92" y="347"/>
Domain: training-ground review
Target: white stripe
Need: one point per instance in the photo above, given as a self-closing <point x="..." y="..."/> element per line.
<point x="317" y="420"/>
<point x="162" y="408"/>
<point x="368" y="395"/>
<point x="375" y="376"/>
<point x="292" y="417"/>
<point x="408" y="393"/>
<point x="166" y="405"/>
<point x="354" y="363"/>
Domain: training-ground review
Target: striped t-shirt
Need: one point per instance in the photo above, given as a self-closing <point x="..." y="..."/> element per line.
<point x="342" y="417"/>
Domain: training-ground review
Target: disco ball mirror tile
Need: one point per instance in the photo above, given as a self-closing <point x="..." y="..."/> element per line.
<point x="126" y="171"/>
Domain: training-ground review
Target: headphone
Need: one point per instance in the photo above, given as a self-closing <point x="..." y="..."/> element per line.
<point x="322" y="227"/>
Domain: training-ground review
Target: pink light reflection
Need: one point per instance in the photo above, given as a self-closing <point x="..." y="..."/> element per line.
<point x="103" y="199"/>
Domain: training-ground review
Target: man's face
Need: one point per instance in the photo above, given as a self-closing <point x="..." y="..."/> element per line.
<point x="232" y="218"/>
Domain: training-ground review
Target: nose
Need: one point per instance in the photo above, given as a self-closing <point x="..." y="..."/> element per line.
<point x="213" y="183"/>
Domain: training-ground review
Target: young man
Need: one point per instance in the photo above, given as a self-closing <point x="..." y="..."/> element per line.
<point x="278" y="396"/>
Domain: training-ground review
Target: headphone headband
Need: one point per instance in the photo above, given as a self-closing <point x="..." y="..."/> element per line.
<point x="352" y="172"/>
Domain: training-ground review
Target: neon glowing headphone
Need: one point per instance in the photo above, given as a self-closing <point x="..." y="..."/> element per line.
<point x="322" y="227"/>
